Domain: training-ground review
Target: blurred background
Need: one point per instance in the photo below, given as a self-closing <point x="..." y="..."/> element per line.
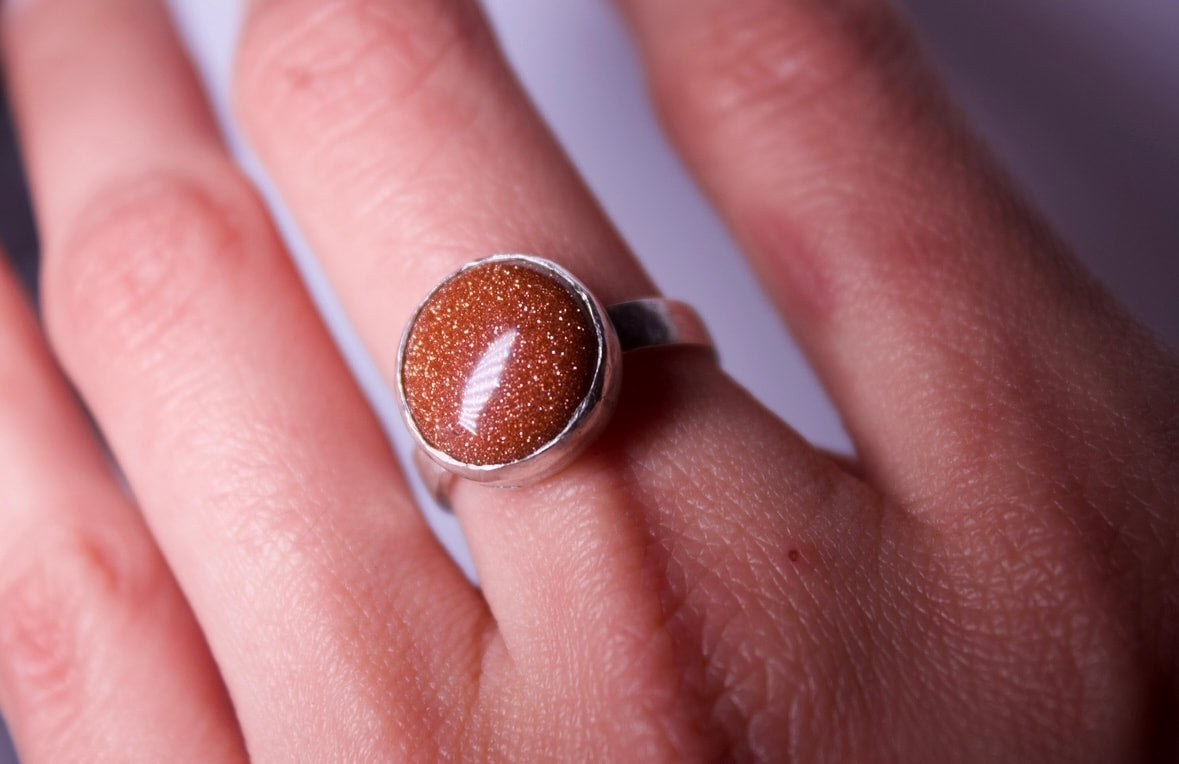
<point x="1080" y="100"/>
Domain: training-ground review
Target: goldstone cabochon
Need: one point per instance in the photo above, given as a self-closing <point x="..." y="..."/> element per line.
<point x="497" y="362"/>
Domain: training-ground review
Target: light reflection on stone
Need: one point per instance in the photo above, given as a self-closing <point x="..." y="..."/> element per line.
<point x="484" y="380"/>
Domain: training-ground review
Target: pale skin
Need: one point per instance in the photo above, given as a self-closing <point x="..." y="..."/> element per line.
<point x="993" y="577"/>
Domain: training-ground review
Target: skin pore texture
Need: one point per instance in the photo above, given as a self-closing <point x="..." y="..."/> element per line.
<point x="993" y="577"/>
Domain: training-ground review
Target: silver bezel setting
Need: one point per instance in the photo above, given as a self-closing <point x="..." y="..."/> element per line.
<point x="588" y="419"/>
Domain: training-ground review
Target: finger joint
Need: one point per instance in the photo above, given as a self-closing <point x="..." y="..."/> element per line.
<point x="141" y="255"/>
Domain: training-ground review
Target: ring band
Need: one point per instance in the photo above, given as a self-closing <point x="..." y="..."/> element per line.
<point x="656" y="321"/>
<point x="510" y="367"/>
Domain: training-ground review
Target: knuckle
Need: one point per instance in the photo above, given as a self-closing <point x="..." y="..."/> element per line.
<point x="317" y="65"/>
<point x="1041" y="619"/>
<point x="65" y="586"/>
<point x="764" y="59"/>
<point x="263" y="522"/>
<point x="138" y="257"/>
<point x="325" y="587"/>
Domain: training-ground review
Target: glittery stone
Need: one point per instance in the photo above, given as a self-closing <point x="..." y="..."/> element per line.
<point x="497" y="363"/>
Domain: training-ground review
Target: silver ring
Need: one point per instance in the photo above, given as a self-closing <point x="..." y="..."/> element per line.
<point x="510" y="368"/>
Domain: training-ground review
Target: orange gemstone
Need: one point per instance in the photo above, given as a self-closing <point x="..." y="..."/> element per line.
<point x="498" y="362"/>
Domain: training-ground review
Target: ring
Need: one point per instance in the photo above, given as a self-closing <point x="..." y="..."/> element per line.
<point x="510" y="368"/>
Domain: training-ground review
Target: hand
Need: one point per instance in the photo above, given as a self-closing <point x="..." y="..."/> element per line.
<point x="994" y="578"/>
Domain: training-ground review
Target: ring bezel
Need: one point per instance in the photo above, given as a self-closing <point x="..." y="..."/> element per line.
<point x="588" y="419"/>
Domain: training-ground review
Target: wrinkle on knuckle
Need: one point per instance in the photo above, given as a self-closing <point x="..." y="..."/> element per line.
<point x="780" y="651"/>
<point x="757" y="62"/>
<point x="141" y="255"/>
<point x="1034" y="617"/>
<point x="336" y="591"/>
<point x="319" y="67"/>
<point x="270" y="512"/>
<point x="710" y="617"/>
<point x="67" y="585"/>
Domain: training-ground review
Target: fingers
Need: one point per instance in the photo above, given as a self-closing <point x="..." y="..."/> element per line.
<point x="380" y="121"/>
<point x="976" y="367"/>
<point x="405" y="149"/>
<point x="263" y="476"/>
<point x="939" y="314"/>
<point x="90" y="617"/>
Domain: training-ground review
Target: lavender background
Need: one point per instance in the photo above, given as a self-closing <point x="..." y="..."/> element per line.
<point x="1080" y="99"/>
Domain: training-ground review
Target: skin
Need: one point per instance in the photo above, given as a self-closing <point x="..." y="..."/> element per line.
<point x="992" y="579"/>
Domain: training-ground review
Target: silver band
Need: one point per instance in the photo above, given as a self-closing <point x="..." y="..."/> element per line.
<point x="656" y="321"/>
<point x="645" y="323"/>
<point x="437" y="480"/>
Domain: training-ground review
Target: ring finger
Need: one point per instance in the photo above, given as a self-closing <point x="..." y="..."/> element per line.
<point x="405" y="149"/>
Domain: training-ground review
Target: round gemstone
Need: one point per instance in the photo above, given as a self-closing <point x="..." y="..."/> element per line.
<point x="498" y="361"/>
